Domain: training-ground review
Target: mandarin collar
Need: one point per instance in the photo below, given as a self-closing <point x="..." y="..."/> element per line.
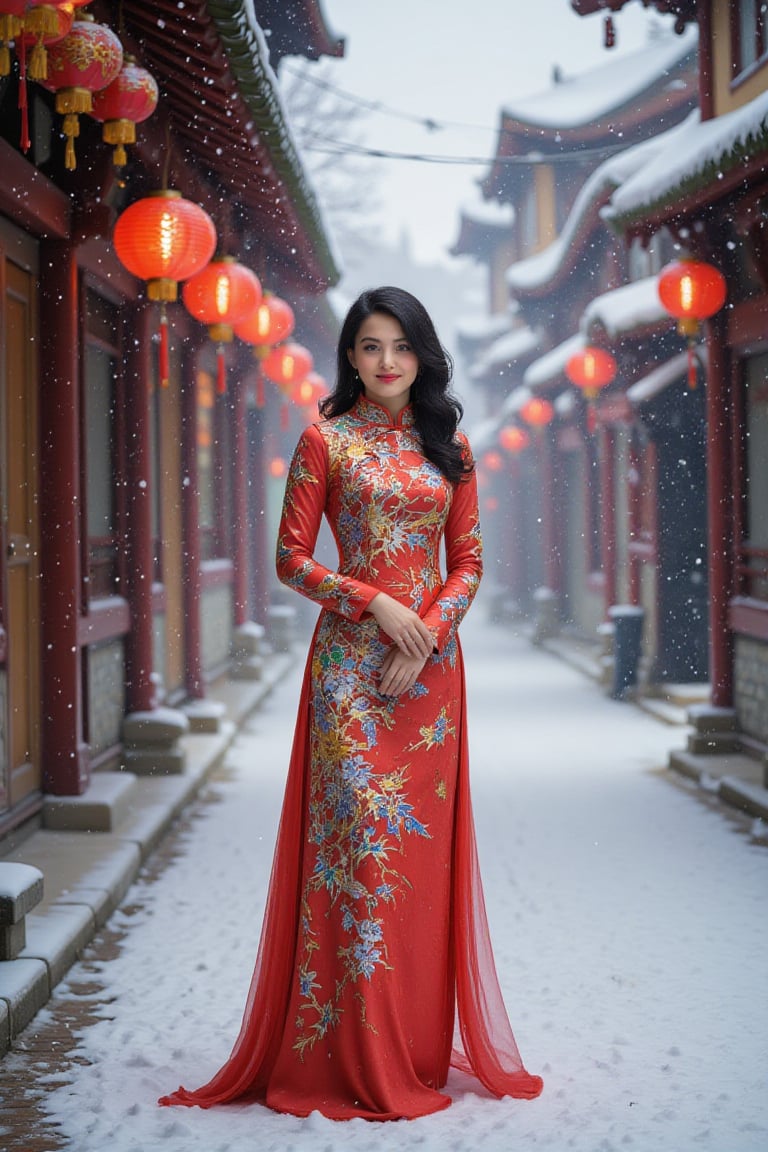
<point x="375" y="413"/>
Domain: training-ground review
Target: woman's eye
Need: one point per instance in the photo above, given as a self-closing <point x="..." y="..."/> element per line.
<point x="403" y="347"/>
<point x="370" y="348"/>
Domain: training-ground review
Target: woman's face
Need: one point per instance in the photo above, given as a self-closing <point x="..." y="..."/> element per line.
<point x="384" y="361"/>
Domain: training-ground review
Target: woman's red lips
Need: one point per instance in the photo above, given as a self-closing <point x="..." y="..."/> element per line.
<point x="387" y="379"/>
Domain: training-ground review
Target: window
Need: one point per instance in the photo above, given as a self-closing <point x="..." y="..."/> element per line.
<point x="754" y="544"/>
<point x="749" y="34"/>
<point x="102" y="358"/>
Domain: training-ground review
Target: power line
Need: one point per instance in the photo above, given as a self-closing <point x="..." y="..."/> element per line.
<point x="347" y="148"/>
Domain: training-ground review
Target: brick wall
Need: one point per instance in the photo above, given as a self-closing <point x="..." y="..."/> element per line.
<point x="751" y="686"/>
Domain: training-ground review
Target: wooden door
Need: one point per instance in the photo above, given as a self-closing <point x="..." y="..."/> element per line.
<point x="20" y="532"/>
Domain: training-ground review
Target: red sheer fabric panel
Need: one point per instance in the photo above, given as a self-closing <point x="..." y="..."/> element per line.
<point x="247" y="1070"/>
<point x="484" y="1044"/>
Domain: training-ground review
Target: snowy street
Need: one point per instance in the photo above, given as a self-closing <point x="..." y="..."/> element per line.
<point x="629" y="924"/>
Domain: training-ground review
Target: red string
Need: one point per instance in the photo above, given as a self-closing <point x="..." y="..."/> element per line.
<point x="591" y="418"/>
<point x="691" y="366"/>
<point x="221" y="371"/>
<point x="260" y="398"/>
<point x="23" y="104"/>
<point x="164" y="359"/>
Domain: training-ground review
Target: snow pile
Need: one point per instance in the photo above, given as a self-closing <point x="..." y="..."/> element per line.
<point x="480" y="327"/>
<point x="582" y="99"/>
<point x="625" y="309"/>
<point x="506" y="350"/>
<point x="701" y="153"/>
<point x="552" y="364"/>
<point x="490" y="213"/>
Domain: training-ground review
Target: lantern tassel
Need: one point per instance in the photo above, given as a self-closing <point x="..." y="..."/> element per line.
<point x="23" y="103"/>
<point x="164" y="358"/>
<point x="691" y="365"/>
<point x="221" y="371"/>
<point x="285" y="417"/>
<point x="591" y="418"/>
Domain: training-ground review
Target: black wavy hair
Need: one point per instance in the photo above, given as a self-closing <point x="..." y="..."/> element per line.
<point x="436" y="411"/>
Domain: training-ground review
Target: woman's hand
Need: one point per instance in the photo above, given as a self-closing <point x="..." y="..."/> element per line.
<point x="404" y="626"/>
<point x="399" y="672"/>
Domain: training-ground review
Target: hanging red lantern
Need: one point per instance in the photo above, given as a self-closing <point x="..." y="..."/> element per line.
<point x="127" y="101"/>
<point x="277" y="467"/>
<point x="537" y="412"/>
<point x="11" y="24"/>
<point x="513" y="439"/>
<point x="45" y="22"/>
<point x="270" y="323"/>
<point x="163" y="239"/>
<point x="492" y="461"/>
<point x="691" y="291"/>
<point x="220" y="295"/>
<point x="286" y="365"/>
<point x="590" y="370"/>
<point x="88" y="59"/>
<point x="309" y="390"/>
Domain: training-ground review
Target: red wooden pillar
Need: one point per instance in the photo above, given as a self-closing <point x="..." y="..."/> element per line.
<point x="260" y="552"/>
<point x="239" y="478"/>
<point x="608" y="515"/>
<point x="719" y="514"/>
<point x="191" y="527"/>
<point x="635" y="526"/>
<point x="65" y="753"/>
<point x="139" y="649"/>
<point x="549" y="510"/>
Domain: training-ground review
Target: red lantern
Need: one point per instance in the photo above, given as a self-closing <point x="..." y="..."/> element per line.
<point x="513" y="439"/>
<point x="85" y="61"/>
<point x="277" y="467"/>
<point x="11" y="24"/>
<point x="163" y="239"/>
<point x="286" y="365"/>
<point x="691" y="291"/>
<point x="220" y="295"/>
<point x="309" y="390"/>
<point x="538" y="413"/>
<point x="271" y="322"/>
<point x="45" y="22"/>
<point x="590" y="370"/>
<point x="127" y="101"/>
<point x="492" y="461"/>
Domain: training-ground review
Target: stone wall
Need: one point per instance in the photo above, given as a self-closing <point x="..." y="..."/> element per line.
<point x="751" y="686"/>
<point x="106" y="695"/>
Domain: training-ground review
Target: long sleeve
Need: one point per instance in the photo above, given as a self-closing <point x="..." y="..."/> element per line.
<point x="464" y="563"/>
<point x="303" y="506"/>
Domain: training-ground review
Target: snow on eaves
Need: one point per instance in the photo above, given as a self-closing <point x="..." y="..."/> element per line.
<point x="537" y="271"/>
<point x="551" y="365"/>
<point x="491" y="213"/>
<point x="625" y="309"/>
<point x="701" y="154"/>
<point x="484" y="327"/>
<point x="582" y="99"/>
<point x="506" y="350"/>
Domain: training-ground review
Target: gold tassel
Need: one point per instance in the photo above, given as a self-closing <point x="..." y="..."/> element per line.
<point x="71" y="130"/>
<point x="5" y="60"/>
<point x="37" y="66"/>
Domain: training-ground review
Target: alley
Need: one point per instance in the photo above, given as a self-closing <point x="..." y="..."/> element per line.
<point x="629" y="926"/>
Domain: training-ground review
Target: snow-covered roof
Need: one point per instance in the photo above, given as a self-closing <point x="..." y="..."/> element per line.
<point x="660" y="378"/>
<point x="702" y="152"/>
<point x="484" y="327"/>
<point x="483" y="435"/>
<point x="516" y="400"/>
<point x="508" y="348"/>
<point x="538" y="270"/>
<point x="624" y="309"/>
<point x="582" y="99"/>
<point x="492" y="213"/>
<point x="552" y="364"/>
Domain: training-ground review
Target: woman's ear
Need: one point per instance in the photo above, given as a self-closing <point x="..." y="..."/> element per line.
<point x="351" y="358"/>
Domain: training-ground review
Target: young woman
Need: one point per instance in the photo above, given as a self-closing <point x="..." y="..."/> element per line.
<point x="375" y="971"/>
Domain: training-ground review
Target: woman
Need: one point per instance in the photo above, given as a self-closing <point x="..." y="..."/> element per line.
<point x="375" y="936"/>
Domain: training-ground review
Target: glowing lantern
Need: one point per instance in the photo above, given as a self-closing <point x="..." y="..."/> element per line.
<point x="127" y="101"/>
<point x="492" y="461"/>
<point x="277" y="467"/>
<point x="220" y="295"/>
<point x="270" y="323"/>
<point x="85" y="61"/>
<point x="513" y="439"/>
<point x="163" y="239"/>
<point x="590" y="370"/>
<point x="538" y="413"/>
<point x="45" y="22"/>
<point x="691" y="291"/>
<point x="286" y="365"/>
<point x="491" y="503"/>
<point x="309" y="390"/>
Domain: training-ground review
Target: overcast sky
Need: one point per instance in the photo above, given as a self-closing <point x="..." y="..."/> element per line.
<point x="456" y="60"/>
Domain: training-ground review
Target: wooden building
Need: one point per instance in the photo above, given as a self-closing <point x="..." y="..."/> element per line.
<point x="130" y="558"/>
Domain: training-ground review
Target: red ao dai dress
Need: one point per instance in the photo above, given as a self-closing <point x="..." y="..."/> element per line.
<point x="375" y="970"/>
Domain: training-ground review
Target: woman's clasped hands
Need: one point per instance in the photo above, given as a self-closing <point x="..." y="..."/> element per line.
<point x="413" y="644"/>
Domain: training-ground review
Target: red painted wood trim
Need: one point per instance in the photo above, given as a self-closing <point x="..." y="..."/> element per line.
<point x="139" y="569"/>
<point x="747" y="324"/>
<point x="749" y="617"/>
<point x="65" y="759"/>
<point x="608" y="517"/>
<point x="239" y="481"/>
<point x="216" y="574"/>
<point x="31" y="199"/>
<point x="106" y="620"/>
<point x="719" y="515"/>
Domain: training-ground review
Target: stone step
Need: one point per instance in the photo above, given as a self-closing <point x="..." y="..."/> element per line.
<point x="101" y="809"/>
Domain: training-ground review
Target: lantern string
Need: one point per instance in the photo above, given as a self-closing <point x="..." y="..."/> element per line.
<point x="164" y="359"/>
<point x="23" y="102"/>
<point x="691" y="365"/>
<point x="260" y="398"/>
<point x="221" y="371"/>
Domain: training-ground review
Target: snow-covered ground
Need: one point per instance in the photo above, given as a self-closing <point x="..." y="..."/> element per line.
<point x="629" y="922"/>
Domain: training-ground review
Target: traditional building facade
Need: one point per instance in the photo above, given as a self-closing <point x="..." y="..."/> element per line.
<point x="133" y="557"/>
